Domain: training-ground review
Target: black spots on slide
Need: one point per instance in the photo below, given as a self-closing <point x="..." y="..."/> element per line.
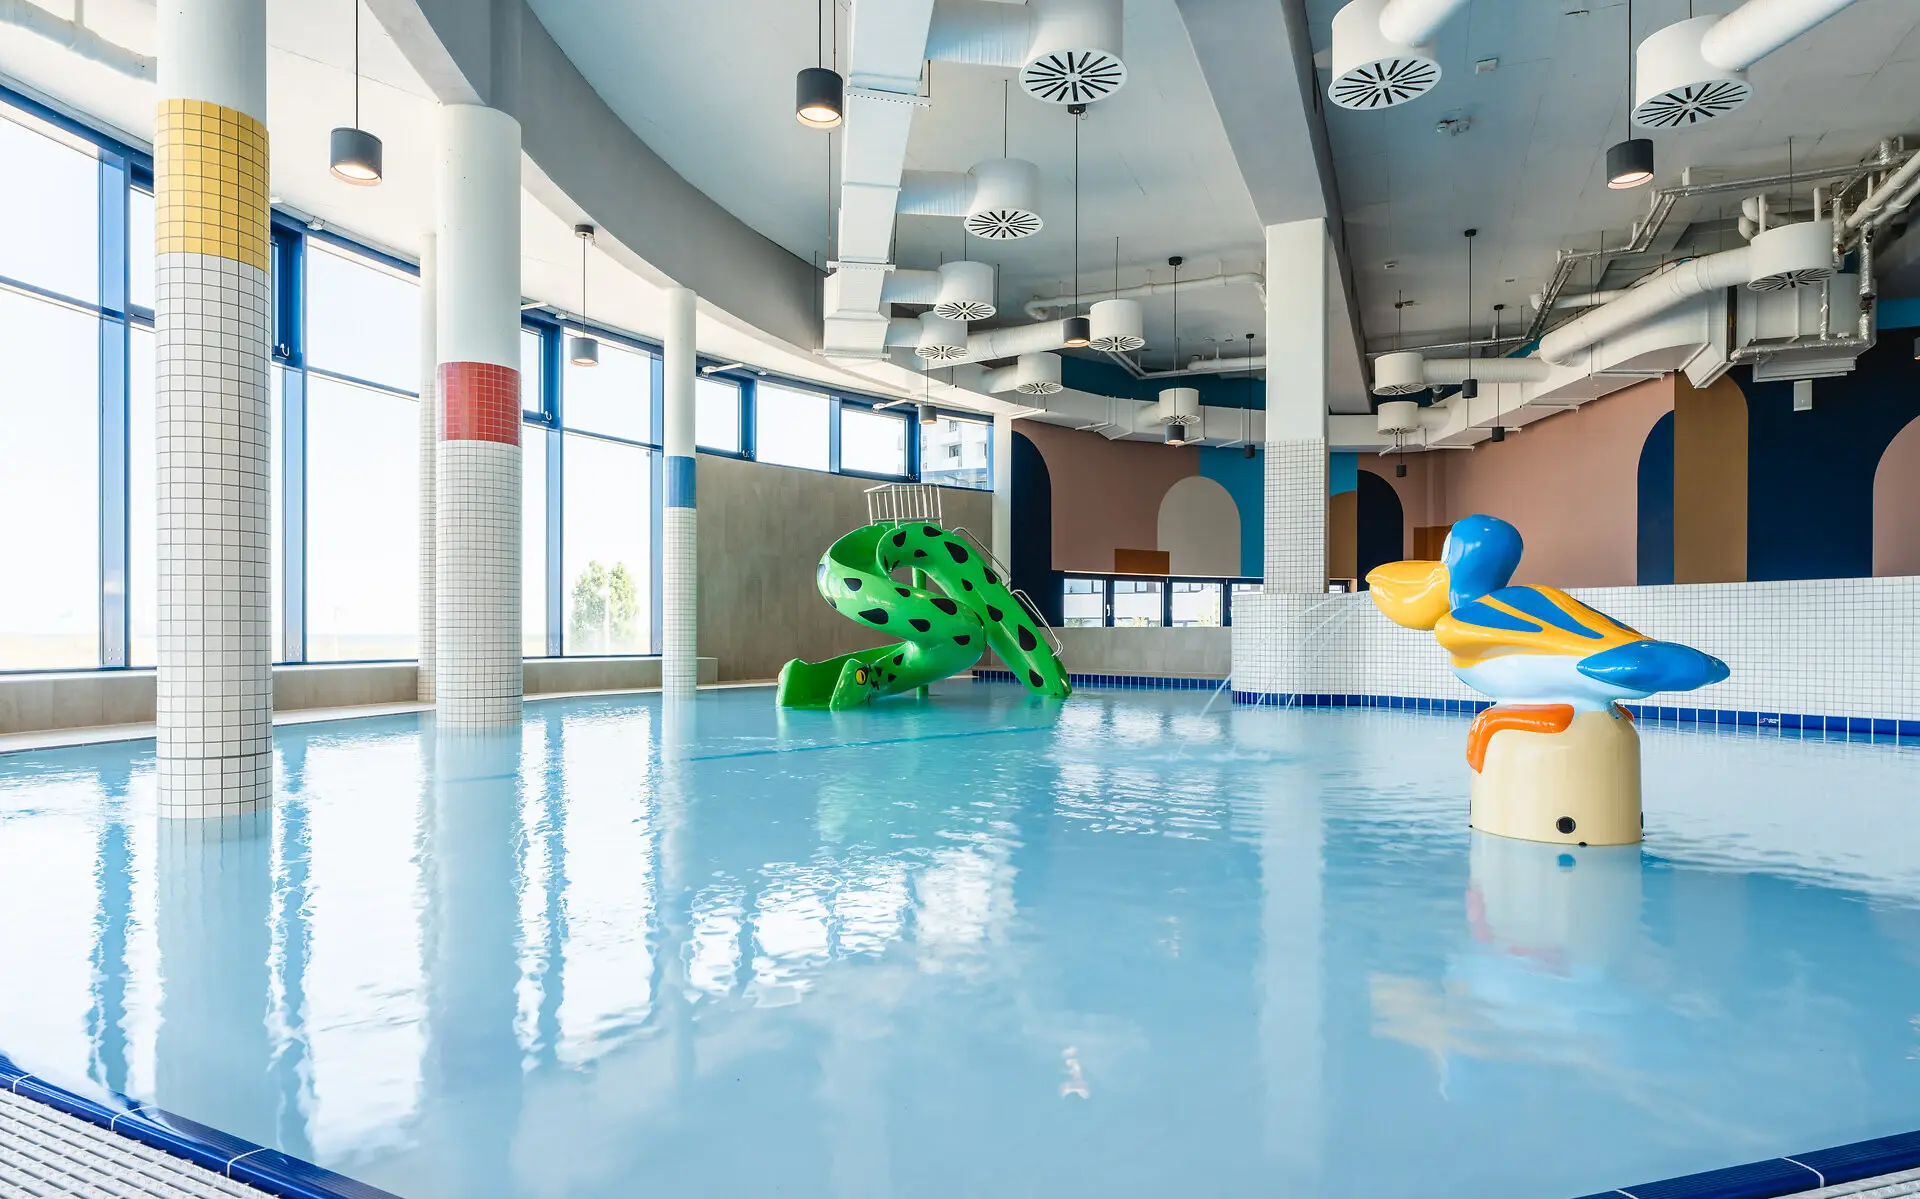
<point x="900" y="538"/>
<point x="874" y="616"/>
<point x="1026" y="638"/>
<point x="919" y="553"/>
<point x="1034" y="675"/>
<point x="991" y="577"/>
<point x="964" y="639"/>
<point x="947" y="606"/>
<point x="967" y="584"/>
<point x="957" y="551"/>
<point x="930" y="531"/>
<point x="853" y="584"/>
<point x="994" y="614"/>
<point x="904" y="592"/>
<point x="898" y="658"/>
<point x="920" y="625"/>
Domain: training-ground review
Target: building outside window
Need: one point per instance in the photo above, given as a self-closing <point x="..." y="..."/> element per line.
<point x="1084" y="603"/>
<point x="791" y="427"/>
<point x="1136" y="603"/>
<point x="957" y="453"/>
<point x="1196" y="605"/>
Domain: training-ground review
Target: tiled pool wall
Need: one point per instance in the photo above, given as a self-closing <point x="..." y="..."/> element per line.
<point x="1820" y="655"/>
<point x="1124" y="682"/>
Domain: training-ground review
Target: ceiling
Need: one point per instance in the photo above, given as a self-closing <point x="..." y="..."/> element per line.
<point x="1156" y="167"/>
<point x="1527" y="172"/>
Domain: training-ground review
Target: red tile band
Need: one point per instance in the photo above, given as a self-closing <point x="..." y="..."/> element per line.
<point x="479" y="402"/>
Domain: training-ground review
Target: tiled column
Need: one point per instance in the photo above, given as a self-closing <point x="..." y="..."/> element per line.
<point x="477" y="667"/>
<point x="214" y="324"/>
<point x="429" y="458"/>
<point x="679" y="549"/>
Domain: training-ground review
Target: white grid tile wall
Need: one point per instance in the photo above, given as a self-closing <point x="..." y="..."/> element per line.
<point x="479" y="671"/>
<point x="214" y="677"/>
<point x="679" y="600"/>
<point x="429" y="560"/>
<point x="1829" y="647"/>
<point x="1296" y="502"/>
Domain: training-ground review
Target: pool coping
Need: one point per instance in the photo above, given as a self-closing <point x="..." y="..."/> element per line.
<point x="257" y="1166"/>
<point x="1778" y="1176"/>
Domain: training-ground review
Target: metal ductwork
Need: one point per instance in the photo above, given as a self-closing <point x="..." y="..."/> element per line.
<point x="1695" y="70"/>
<point x="1382" y="54"/>
<point x="1408" y="372"/>
<point x="942" y="339"/>
<point x="1030" y="374"/>
<point x="961" y="291"/>
<point x="1066" y="51"/>
<point x="1695" y="277"/>
<point x="1798" y="255"/>
<point x="1117" y="326"/>
<point x="998" y="199"/>
<point x="1013" y="342"/>
<point x="1177" y="406"/>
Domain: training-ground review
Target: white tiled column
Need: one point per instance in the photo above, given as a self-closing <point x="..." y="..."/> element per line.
<point x="478" y="676"/>
<point x="679" y="550"/>
<point x="429" y="458"/>
<point x="213" y="319"/>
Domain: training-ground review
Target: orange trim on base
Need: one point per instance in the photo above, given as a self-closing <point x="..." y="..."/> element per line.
<point x="1529" y="718"/>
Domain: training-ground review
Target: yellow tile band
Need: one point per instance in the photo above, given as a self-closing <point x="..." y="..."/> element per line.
<point x="210" y="182"/>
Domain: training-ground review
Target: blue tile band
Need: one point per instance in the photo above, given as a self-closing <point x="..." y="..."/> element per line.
<point x="266" y="1169"/>
<point x="1134" y="682"/>
<point x="1794" y="1175"/>
<point x="681" y="481"/>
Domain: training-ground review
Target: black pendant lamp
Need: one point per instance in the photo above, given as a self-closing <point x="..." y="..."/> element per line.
<point x="1470" y="388"/>
<point x="355" y="153"/>
<point x="1253" y="451"/>
<point x="1629" y="162"/>
<point x="1079" y="329"/>
<point x="819" y="94"/>
<point x="583" y="350"/>
<point x="1499" y="423"/>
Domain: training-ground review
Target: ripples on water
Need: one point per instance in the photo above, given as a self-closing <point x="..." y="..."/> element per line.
<point x="1135" y="944"/>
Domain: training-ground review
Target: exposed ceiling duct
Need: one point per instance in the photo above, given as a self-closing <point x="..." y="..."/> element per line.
<point x="1038" y="307"/>
<point x="1011" y="343"/>
<point x="1381" y="54"/>
<point x="1030" y="374"/>
<point x="961" y="291"/>
<point x="1408" y="371"/>
<point x="1066" y="51"/>
<point x="1797" y="255"/>
<point x="1695" y="70"/>
<point x="1117" y="326"/>
<point x="941" y="339"/>
<point x="998" y="199"/>
<point x="1695" y="277"/>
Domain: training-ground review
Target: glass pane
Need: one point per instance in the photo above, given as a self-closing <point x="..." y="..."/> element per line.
<point x="533" y="541"/>
<point x="140" y="248"/>
<point x="957" y="453"/>
<point x="790" y="427"/>
<point x="1196" y="605"/>
<point x="716" y="415"/>
<point x="362" y="319"/>
<point x="276" y="456"/>
<point x="530" y="363"/>
<point x="614" y="398"/>
<point x="606" y="551"/>
<point x="49" y="482"/>
<point x="363" y="539"/>
<point x="49" y="231"/>
<point x="1084" y="604"/>
<point x="1136" y="604"/>
<point x="874" y="442"/>
<point x="143" y="500"/>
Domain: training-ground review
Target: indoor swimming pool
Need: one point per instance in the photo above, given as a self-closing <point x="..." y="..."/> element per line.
<point x="1137" y="943"/>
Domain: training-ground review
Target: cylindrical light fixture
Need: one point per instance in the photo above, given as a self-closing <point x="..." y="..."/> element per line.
<point x="1470" y="389"/>
<point x="1079" y="332"/>
<point x="819" y="96"/>
<point x="929" y="415"/>
<point x="1499" y="433"/>
<point x="1399" y="470"/>
<point x="1253" y="451"/>
<point x="1629" y="163"/>
<point x="1176" y="434"/>
<point x="583" y="350"/>
<point x="355" y="154"/>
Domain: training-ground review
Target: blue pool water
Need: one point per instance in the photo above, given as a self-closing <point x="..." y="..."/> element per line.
<point x="982" y="945"/>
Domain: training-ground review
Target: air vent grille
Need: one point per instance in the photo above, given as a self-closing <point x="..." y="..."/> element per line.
<point x="1384" y="82"/>
<point x="1073" y="76"/>
<point x="1691" y="104"/>
<point x="1003" y="224"/>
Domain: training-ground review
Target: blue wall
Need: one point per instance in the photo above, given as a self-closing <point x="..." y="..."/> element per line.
<point x="1108" y="378"/>
<point x="1245" y="480"/>
<point x="1655" y="541"/>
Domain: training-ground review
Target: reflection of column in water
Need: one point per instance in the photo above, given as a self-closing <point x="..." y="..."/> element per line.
<point x="107" y="1019"/>
<point x="473" y="1057"/>
<point x="214" y="885"/>
<point x="678" y="734"/>
<point x="1291" y="1027"/>
<point x="1575" y="906"/>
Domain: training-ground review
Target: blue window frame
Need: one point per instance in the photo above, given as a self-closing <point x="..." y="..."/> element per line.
<point x="1150" y="601"/>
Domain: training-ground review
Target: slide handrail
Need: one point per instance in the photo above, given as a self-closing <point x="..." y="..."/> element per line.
<point x="1026" y="601"/>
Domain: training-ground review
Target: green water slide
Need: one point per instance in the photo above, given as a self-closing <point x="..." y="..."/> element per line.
<point x="945" y="631"/>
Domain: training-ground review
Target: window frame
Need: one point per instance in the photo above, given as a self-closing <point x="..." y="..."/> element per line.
<point x="1106" y="581"/>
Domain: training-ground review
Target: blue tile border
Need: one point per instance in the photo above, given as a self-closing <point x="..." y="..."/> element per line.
<point x="1784" y="724"/>
<point x="1794" y="1175"/>
<point x="268" y="1170"/>
<point x="1124" y="682"/>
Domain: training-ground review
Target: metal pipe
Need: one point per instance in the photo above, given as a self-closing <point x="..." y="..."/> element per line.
<point x="1039" y="307"/>
<point x="1759" y="27"/>
<point x="1695" y="277"/>
<point x="1875" y="200"/>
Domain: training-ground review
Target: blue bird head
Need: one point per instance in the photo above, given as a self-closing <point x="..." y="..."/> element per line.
<point x="1481" y="554"/>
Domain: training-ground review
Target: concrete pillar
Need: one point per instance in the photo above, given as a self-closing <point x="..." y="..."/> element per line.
<point x="214" y="323"/>
<point x="1003" y="489"/>
<point x="1298" y="259"/>
<point x="429" y="457"/>
<point x="679" y="549"/>
<point x="477" y="667"/>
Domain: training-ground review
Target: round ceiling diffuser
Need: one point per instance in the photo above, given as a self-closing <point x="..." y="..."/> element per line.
<point x="1117" y="326"/>
<point x="1798" y="255"/>
<point x="1369" y="69"/>
<point x="1006" y="200"/>
<point x="1073" y="76"/>
<point x="966" y="291"/>
<point x="1399" y="374"/>
<point x="1676" y="86"/>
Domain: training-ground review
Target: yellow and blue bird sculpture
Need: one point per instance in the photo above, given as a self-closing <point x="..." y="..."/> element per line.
<point x="1541" y="655"/>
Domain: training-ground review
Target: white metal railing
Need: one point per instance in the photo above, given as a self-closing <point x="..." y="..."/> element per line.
<point x="903" y="503"/>
<point x="1026" y="601"/>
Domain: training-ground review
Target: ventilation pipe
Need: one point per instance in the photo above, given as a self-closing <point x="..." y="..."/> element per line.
<point x="999" y="199"/>
<point x="1013" y="342"/>
<point x="1030" y="374"/>
<point x="942" y="339"/>
<point x="1066" y="51"/>
<point x="1797" y="255"/>
<point x="1117" y="326"/>
<point x="1759" y="27"/>
<point x="1177" y="406"/>
<point x="1695" y="277"/>
<point x="961" y="291"/>
<point x="1408" y="371"/>
<point x="1695" y="70"/>
<point x="74" y="36"/>
<point x="1039" y="307"/>
<point x="1381" y="56"/>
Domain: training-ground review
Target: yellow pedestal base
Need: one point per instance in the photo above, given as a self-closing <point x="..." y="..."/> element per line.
<point x="1580" y="787"/>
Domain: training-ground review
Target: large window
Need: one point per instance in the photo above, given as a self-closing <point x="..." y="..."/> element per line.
<point x="873" y="443"/>
<point x="607" y="557"/>
<point x="1084" y="603"/>
<point x="49" y="212"/>
<point x="792" y="427"/>
<point x="362" y="318"/>
<point x="1136" y="603"/>
<point x="533" y="541"/>
<point x="614" y="398"/>
<point x="957" y="453"/>
<point x="1196" y="604"/>
<point x="143" y="551"/>
<point x="716" y="415"/>
<point x="363" y="542"/>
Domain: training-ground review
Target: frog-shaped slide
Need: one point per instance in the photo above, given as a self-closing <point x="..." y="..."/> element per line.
<point x="945" y="633"/>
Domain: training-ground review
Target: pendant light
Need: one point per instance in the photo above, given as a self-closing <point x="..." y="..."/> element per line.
<point x="1470" y="387"/>
<point x="1499" y="422"/>
<point x="819" y="93"/>
<point x="1079" y="330"/>
<point x="356" y="154"/>
<point x="583" y="350"/>
<point x="1253" y="451"/>
<point x="1629" y="162"/>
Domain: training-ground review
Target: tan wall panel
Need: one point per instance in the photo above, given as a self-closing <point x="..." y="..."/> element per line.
<point x="1106" y="494"/>
<point x="1896" y="505"/>
<point x="1343" y="535"/>
<point x="1709" y="482"/>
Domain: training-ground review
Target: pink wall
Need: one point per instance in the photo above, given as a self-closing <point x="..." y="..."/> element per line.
<point x="1106" y="494"/>
<point x="1896" y="506"/>
<point x="1569" y="483"/>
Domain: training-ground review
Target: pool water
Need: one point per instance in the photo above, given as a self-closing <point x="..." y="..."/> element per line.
<point x="1136" y="943"/>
